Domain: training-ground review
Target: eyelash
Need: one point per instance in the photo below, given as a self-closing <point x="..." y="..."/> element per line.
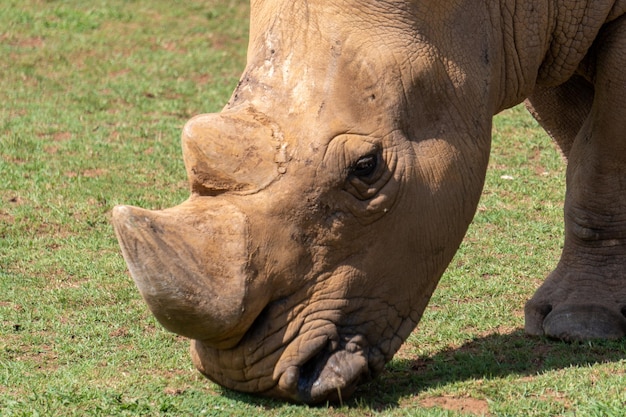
<point x="365" y="166"/>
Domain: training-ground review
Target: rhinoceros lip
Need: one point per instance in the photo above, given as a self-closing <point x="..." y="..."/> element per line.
<point x="326" y="373"/>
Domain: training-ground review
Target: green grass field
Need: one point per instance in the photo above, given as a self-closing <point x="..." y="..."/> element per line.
<point x="93" y="96"/>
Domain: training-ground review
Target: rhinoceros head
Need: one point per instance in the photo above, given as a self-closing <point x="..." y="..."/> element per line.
<point x="324" y="204"/>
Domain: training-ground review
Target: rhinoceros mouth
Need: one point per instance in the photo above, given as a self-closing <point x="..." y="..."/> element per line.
<point x="325" y="368"/>
<point x="331" y="376"/>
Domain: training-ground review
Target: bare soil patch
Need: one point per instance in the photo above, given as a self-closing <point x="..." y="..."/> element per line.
<point x="465" y="405"/>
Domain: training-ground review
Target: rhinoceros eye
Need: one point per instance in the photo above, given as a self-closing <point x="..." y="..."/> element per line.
<point x="365" y="166"/>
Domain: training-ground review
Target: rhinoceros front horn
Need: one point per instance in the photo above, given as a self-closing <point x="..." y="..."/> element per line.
<point x="190" y="264"/>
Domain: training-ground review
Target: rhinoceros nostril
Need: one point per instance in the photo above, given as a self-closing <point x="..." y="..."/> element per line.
<point x="310" y="371"/>
<point x="623" y="311"/>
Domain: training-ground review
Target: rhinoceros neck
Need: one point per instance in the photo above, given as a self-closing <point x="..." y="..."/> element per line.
<point x="573" y="31"/>
<point x="543" y="42"/>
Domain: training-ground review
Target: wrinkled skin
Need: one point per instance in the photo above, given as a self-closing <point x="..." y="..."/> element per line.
<point x="329" y="195"/>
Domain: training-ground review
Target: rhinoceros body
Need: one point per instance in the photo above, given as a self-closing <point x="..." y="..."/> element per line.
<point x="329" y="195"/>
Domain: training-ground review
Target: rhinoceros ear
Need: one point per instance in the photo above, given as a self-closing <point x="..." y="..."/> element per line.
<point x="230" y="151"/>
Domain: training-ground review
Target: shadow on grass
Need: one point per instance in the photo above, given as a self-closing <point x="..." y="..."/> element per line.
<point x="492" y="356"/>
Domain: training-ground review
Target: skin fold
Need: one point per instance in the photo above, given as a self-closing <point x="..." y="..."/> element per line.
<point x="332" y="191"/>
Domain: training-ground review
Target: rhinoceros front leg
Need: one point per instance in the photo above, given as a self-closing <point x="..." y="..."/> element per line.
<point x="562" y="110"/>
<point x="585" y="296"/>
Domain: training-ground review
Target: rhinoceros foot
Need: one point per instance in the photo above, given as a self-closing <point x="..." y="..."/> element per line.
<point x="575" y="307"/>
<point x="582" y="322"/>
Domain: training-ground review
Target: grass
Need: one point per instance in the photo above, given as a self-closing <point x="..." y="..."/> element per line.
<point x="93" y="96"/>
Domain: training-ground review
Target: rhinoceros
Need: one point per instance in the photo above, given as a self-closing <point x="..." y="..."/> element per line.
<point x="333" y="189"/>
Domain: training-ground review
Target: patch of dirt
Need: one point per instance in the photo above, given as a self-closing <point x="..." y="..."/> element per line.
<point x="16" y="200"/>
<point x="8" y="304"/>
<point x="172" y="46"/>
<point x="119" y="73"/>
<point x="120" y="332"/>
<point x="93" y="173"/>
<point x="221" y="42"/>
<point x="65" y="281"/>
<point x="6" y="218"/>
<point x="61" y="136"/>
<point x="51" y="150"/>
<point x="550" y="395"/>
<point x="499" y="330"/>
<point x="173" y="391"/>
<point x="88" y="173"/>
<point x="203" y="79"/>
<point x="26" y="42"/>
<point x="43" y="357"/>
<point x="465" y="405"/>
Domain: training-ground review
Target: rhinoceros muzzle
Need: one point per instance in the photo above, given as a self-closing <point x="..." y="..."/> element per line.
<point x="319" y="366"/>
<point x="191" y="267"/>
<point x="329" y="376"/>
